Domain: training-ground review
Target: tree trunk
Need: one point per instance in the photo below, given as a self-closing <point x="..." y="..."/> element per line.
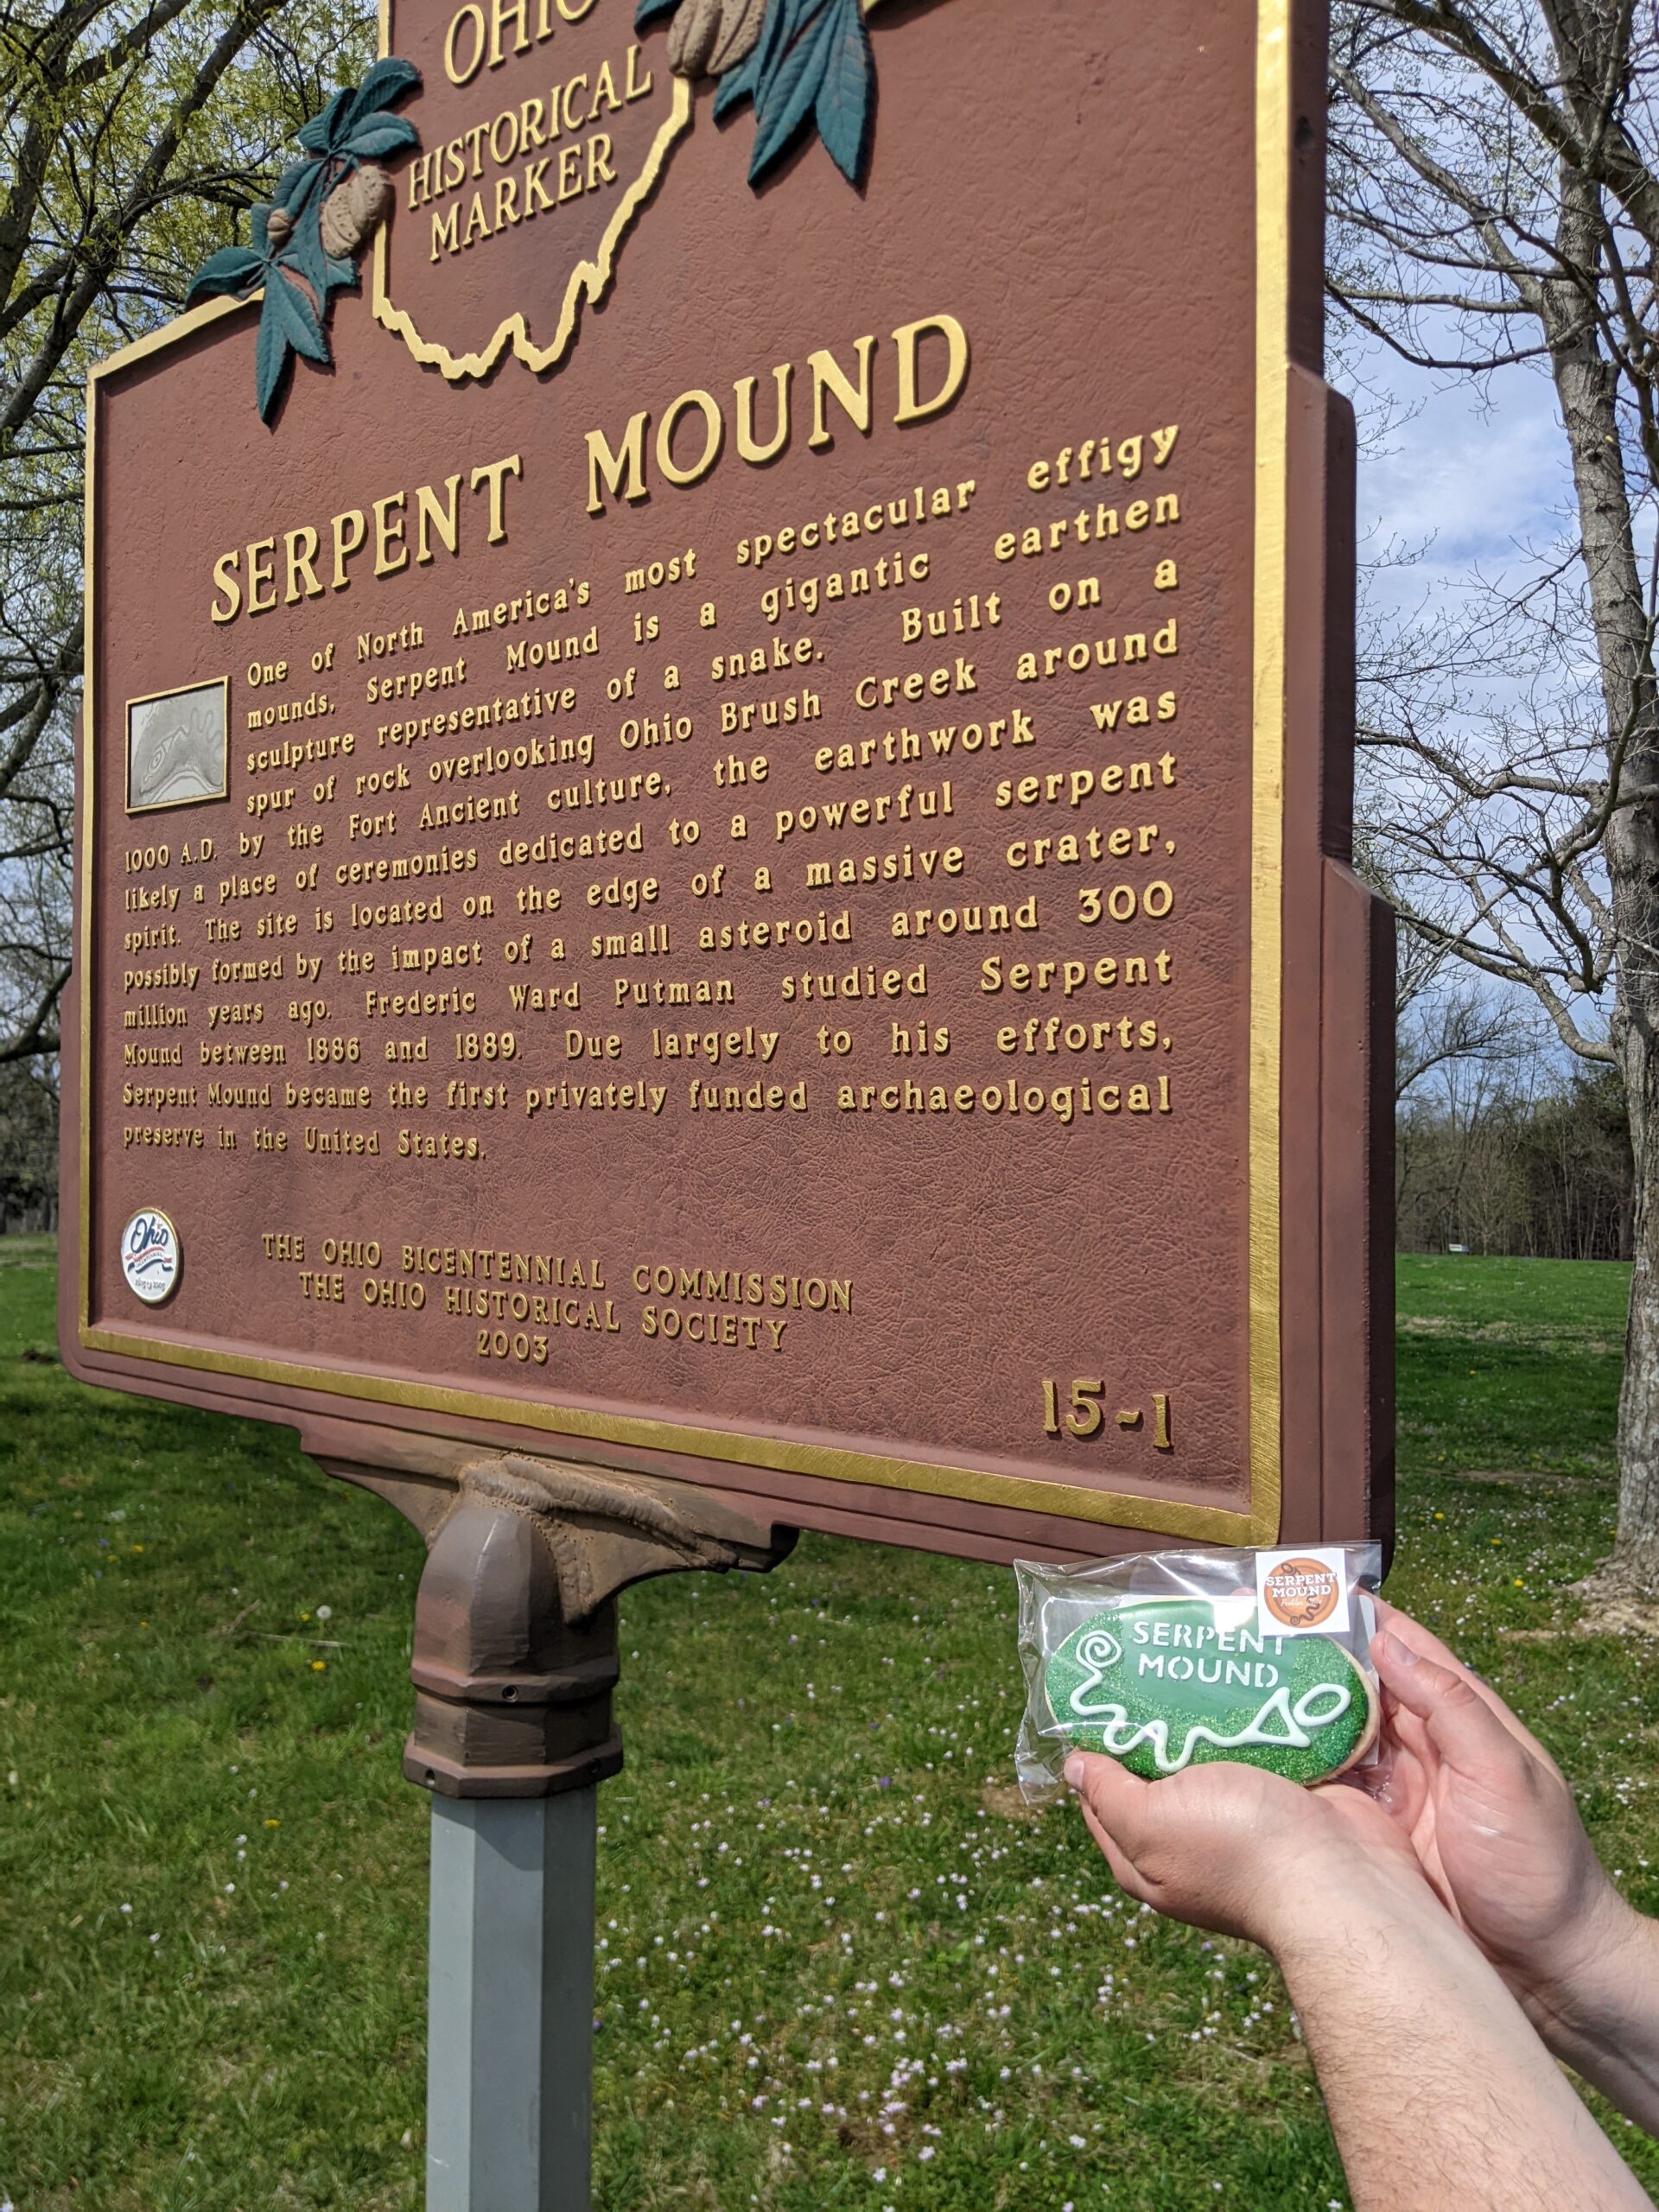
<point x="1585" y="388"/>
<point x="1638" y="1397"/>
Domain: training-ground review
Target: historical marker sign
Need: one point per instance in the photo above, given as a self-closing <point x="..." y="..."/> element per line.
<point x="720" y="848"/>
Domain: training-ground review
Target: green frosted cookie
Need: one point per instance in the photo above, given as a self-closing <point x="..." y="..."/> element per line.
<point x="1163" y="1683"/>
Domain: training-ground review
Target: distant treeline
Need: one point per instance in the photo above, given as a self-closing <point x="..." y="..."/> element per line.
<point x="1543" y="1174"/>
<point x="29" y="1145"/>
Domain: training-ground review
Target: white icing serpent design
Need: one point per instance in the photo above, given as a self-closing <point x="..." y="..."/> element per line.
<point x="1100" y="1650"/>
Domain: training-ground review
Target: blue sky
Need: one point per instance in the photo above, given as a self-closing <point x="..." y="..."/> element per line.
<point x="1464" y="476"/>
<point x="1477" y="471"/>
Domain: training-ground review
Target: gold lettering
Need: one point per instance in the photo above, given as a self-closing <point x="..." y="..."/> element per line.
<point x="702" y="403"/>
<point x="388" y="534"/>
<point x="349" y="532"/>
<point x="831" y="381"/>
<point x="300" y="548"/>
<point x="494" y="474"/>
<point x="452" y="68"/>
<point x="443" y="519"/>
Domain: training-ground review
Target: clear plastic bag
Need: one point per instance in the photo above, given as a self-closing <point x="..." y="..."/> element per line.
<point x="1164" y="1659"/>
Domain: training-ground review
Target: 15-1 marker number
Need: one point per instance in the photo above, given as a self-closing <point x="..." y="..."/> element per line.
<point x="1084" y="1414"/>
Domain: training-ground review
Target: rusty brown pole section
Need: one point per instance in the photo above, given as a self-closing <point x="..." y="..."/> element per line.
<point x="514" y="1662"/>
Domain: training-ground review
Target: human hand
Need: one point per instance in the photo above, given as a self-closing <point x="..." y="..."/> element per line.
<point x="1381" y="1978"/>
<point x="1491" y="1820"/>
<point x="1231" y="1848"/>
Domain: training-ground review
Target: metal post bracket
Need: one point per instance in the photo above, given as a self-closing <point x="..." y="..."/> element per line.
<point x="515" y="1623"/>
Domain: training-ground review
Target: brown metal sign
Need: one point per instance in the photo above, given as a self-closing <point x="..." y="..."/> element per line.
<point x="714" y="839"/>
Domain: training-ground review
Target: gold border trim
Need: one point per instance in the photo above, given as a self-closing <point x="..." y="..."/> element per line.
<point x="1257" y="1525"/>
<point x="1213" y="1524"/>
<point x="81" y="872"/>
<point x="222" y="685"/>
<point x="1273" y="179"/>
<point x="157" y="341"/>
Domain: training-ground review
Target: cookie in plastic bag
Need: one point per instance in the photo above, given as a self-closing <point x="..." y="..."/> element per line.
<point x="1173" y="1659"/>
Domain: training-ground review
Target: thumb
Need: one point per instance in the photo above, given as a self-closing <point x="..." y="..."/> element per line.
<point x="1111" y="1799"/>
<point x="1112" y="1795"/>
<point x="1463" y="1728"/>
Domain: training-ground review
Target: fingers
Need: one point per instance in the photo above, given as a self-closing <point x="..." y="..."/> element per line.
<point x="1427" y="1645"/>
<point x="1423" y="1641"/>
<point x="1461" y="1724"/>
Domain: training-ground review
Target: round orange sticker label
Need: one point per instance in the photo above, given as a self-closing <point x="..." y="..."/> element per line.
<point x="1301" y="1592"/>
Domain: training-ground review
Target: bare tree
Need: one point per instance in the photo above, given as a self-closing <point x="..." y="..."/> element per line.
<point x="1522" y="1159"/>
<point x="1458" y="1024"/>
<point x="1495" y="170"/>
<point x="1464" y="1051"/>
<point x="1444" y="1015"/>
<point x="133" y="133"/>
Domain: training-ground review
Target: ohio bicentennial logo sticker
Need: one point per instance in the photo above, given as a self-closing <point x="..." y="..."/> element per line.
<point x="152" y="1258"/>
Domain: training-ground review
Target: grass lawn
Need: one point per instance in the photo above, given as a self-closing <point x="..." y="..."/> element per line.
<point x="839" y="1965"/>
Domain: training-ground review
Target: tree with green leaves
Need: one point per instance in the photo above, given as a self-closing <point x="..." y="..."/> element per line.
<point x="133" y="139"/>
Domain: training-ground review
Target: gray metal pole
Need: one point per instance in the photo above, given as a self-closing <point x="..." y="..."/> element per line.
<point x="509" y="2026"/>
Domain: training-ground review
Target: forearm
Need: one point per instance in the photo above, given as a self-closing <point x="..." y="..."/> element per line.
<point x="1439" y="2090"/>
<point x="1602" y="2017"/>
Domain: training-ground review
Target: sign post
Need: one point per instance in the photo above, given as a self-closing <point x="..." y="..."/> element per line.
<point x="509" y="2034"/>
<point x="513" y="1665"/>
<point x="714" y="885"/>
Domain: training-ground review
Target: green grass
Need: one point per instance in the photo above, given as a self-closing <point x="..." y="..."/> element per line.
<point x="1510" y="1364"/>
<point x="211" y="1874"/>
